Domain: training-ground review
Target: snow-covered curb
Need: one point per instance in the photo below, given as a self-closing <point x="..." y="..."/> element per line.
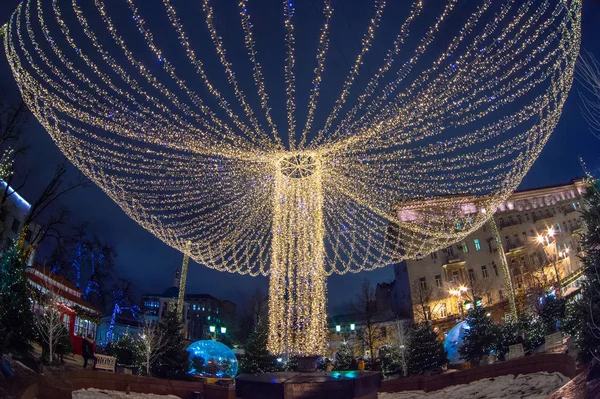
<point x="529" y="386"/>
<point x="92" y="393"/>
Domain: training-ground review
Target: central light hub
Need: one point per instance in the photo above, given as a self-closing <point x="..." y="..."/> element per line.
<point x="298" y="166"/>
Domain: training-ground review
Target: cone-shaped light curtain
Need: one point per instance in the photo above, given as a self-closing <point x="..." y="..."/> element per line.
<point x="299" y="139"/>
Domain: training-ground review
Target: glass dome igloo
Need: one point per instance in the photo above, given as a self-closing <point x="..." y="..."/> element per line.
<point x="212" y="358"/>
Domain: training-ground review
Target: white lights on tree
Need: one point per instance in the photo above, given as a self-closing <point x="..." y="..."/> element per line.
<point x="407" y="150"/>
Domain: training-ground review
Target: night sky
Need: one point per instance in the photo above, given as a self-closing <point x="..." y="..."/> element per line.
<point x="151" y="263"/>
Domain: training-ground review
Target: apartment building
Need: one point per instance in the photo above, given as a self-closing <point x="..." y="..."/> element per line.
<point x="539" y="230"/>
<point x="203" y="314"/>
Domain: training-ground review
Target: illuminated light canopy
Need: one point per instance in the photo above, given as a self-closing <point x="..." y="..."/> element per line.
<point x="406" y="151"/>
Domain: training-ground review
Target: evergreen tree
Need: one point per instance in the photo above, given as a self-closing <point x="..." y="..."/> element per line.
<point x="587" y="310"/>
<point x="16" y="315"/>
<point x="128" y="351"/>
<point x="257" y="358"/>
<point x="533" y="330"/>
<point x="508" y="333"/>
<point x="551" y="311"/>
<point x="426" y="352"/>
<point x="173" y="361"/>
<point x="344" y="357"/>
<point x="479" y="337"/>
<point x="390" y="360"/>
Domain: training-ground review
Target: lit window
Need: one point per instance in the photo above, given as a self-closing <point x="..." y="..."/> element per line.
<point x="443" y="311"/>
<point x="465" y="247"/>
<point x="477" y="244"/>
<point x="338" y="328"/>
<point x="438" y="281"/>
<point x="558" y="227"/>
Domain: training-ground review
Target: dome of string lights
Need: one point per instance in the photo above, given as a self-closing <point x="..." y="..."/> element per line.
<point x="297" y="140"/>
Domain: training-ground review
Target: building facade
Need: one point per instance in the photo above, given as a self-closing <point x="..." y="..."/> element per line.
<point x="203" y="314"/>
<point x="79" y="317"/>
<point x="539" y="230"/>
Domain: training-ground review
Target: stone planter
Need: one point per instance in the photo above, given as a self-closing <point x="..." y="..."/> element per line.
<point x="307" y="364"/>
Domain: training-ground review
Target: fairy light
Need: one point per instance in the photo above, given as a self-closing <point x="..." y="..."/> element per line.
<point x="437" y="137"/>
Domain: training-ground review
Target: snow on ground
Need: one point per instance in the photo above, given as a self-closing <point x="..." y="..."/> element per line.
<point x="529" y="386"/>
<point x="92" y="393"/>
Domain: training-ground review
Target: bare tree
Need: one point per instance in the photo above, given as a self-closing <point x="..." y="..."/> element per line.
<point x="122" y="293"/>
<point x="423" y="300"/>
<point x="403" y="338"/>
<point x="153" y="341"/>
<point x="48" y="322"/>
<point x="56" y="188"/>
<point x="370" y="318"/>
<point x="589" y="75"/>
<point x="101" y="260"/>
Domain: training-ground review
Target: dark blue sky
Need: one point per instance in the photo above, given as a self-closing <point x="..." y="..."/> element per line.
<point x="150" y="263"/>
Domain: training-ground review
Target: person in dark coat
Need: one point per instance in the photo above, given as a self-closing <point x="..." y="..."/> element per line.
<point x="87" y="351"/>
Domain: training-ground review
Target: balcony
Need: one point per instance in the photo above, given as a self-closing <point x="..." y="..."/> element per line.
<point x="542" y="216"/>
<point x="508" y="223"/>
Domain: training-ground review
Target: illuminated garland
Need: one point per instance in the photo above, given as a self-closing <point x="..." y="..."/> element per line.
<point x="408" y="161"/>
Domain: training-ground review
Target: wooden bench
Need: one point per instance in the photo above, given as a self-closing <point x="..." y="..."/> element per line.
<point x="553" y="341"/>
<point x="515" y="351"/>
<point x="107" y="363"/>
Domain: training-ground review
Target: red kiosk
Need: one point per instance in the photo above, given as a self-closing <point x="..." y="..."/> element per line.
<point x="77" y="315"/>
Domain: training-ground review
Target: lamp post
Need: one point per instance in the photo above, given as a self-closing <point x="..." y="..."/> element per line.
<point x="547" y="240"/>
<point x="458" y="292"/>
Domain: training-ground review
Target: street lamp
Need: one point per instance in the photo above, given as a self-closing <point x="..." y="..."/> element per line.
<point x="546" y="241"/>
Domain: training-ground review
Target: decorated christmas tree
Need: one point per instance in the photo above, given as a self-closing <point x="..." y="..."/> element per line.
<point x="479" y="337"/>
<point x="16" y="316"/>
<point x="257" y="359"/>
<point x="390" y="360"/>
<point x="173" y="362"/>
<point x="427" y="351"/>
<point x="587" y="310"/>
<point x="344" y="357"/>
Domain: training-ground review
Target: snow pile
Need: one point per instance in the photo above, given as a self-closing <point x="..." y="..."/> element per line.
<point x="92" y="393"/>
<point x="529" y="386"/>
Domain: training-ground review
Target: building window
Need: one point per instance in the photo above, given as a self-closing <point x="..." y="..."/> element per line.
<point x="477" y="244"/>
<point x="455" y="276"/>
<point x="427" y="312"/>
<point x="484" y="271"/>
<point x="423" y="283"/>
<point x="443" y="310"/>
<point x="507" y="239"/>
<point x="15" y="225"/>
<point x="527" y="216"/>
<point x="558" y="227"/>
<point x="438" y="280"/>
<point x="465" y="247"/>
<point x="434" y="255"/>
<point x="519" y="219"/>
<point x="458" y="225"/>
<point x="495" y="268"/>
<point x="489" y="298"/>
<point x="471" y="275"/>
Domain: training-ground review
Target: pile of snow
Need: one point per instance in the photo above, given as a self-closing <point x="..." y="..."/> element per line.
<point x="92" y="393"/>
<point x="529" y="386"/>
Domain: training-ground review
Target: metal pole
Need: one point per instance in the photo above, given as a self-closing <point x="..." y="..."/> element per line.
<point x="506" y="272"/>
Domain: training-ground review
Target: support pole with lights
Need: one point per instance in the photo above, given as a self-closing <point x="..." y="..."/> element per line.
<point x="183" y="282"/>
<point x="505" y="271"/>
